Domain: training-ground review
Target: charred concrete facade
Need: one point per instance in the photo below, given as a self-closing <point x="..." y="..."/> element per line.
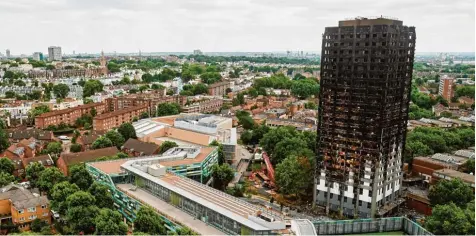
<point x="366" y="72"/>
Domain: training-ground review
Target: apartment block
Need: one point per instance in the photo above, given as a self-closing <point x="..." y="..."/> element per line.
<point x="204" y="106"/>
<point x="219" y="88"/>
<point x="114" y="119"/>
<point x="23" y="206"/>
<point x="446" y="89"/>
<point x="366" y="73"/>
<point x="152" y="100"/>
<point x="67" y="116"/>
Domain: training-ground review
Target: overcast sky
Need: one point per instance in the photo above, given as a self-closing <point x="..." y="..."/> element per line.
<point x="218" y="25"/>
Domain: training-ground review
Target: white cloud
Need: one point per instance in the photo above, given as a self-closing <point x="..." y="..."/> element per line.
<point x="218" y="25"/>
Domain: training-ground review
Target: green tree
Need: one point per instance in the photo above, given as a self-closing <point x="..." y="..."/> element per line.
<point x="311" y="105"/>
<point x="80" y="176"/>
<point x="305" y="88"/>
<point x="286" y="147"/>
<point x="10" y="94"/>
<point x="102" y="142"/>
<point x="33" y="171"/>
<point x="167" y="109"/>
<point x="75" y="147"/>
<point x="109" y="222"/>
<point x="6" y="179"/>
<point x="102" y="194"/>
<point x="48" y="178"/>
<point x="446" y="191"/>
<point x="245" y="120"/>
<point x="166" y="146"/>
<point x="116" y="138"/>
<point x="59" y="193"/>
<point x="274" y="136"/>
<point x="415" y="149"/>
<point x="221" y="154"/>
<point x="61" y="90"/>
<point x="469" y="167"/>
<point x="148" y="221"/>
<point x="53" y="148"/>
<point x="91" y="87"/>
<point x="467" y="91"/>
<point x="127" y="131"/>
<point x="37" y="224"/>
<point x="6" y="166"/>
<point x="246" y="137"/>
<point x="144" y="115"/>
<point x="82" y="212"/>
<point x="295" y="175"/>
<point x="222" y="175"/>
<point x="449" y="219"/>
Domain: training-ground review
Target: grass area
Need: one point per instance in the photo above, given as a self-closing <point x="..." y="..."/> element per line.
<point x="386" y="233"/>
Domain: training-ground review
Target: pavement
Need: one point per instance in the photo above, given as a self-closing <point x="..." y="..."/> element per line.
<point x="172" y="212"/>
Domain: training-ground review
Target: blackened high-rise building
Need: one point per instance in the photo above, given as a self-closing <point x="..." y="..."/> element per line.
<point x="366" y="73"/>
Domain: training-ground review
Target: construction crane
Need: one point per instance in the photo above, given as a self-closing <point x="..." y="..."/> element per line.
<point x="270" y="170"/>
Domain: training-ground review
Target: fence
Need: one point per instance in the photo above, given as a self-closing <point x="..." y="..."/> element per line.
<point x="360" y="226"/>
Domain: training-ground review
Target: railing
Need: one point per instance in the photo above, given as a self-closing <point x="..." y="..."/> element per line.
<point x="359" y="226"/>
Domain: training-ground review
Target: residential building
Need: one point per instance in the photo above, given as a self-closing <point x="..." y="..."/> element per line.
<point x="19" y="90"/>
<point x="466" y="100"/>
<point x="54" y="53"/>
<point x="23" y="206"/>
<point x="38" y="56"/>
<point x="136" y="148"/>
<point x="67" y="160"/>
<point x="68" y="116"/>
<point x="16" y="112"/>
<point x="42" y="136"/>
<point x="218" y="88"/>
<point x="114" y="119"/>
<point x="207" y="105"/>
<point x="152" y="100"/>
<point x="446" y="88"/>
<point x="86" y="140"/>
<point x="366" y="73"/>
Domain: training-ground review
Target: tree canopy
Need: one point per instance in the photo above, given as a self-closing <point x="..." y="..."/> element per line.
<point x="61" y="90"/>
<point x="166" y="145"/>
<point x="295" y="175"/>
<point x="167" y="109"/>
<point x="447" y="191"/>
<point x="80" y="176"/>
<point x="148" y="221"/>
<point x="222" y="175"/>
<point x="109" y="222"/>
<point x="127" y="131"/>
<point x="101" y="142"/>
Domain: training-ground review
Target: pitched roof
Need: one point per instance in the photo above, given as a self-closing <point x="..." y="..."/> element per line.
<point x="22" y="198"/>
<point x="139" y="146"/>
<point x="88" y="138"/>
<point x="26" y="134"/>
<point x="90" y="155"/>
<point x="30" y="143"/>
<point x="45" y="160"/>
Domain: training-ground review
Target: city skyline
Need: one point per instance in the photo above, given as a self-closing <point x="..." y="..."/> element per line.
<point x="216" y="26"/>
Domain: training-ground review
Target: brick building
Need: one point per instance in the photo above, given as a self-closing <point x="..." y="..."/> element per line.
<point x="219" y="88"/>
<point x="114" y="119"/>
<point x="204" y="106"/>
<point x="152" y="100"/>
<point x="68" y="116"/>
<point x="446" y="89"/>
<point x="70" y="159"/>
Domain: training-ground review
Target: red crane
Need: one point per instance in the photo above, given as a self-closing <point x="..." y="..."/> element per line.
<point x="269" y="167"/>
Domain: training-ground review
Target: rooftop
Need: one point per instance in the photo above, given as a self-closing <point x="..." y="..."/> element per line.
<point x="455" y="174"/>
<point x="90" y="155"/>
<point x="142" y="147"/>
<point x="119" y="112"/>
<point x="232" y="207"/>
<point x="361" y="21"/>
<point x="22" y="198"/>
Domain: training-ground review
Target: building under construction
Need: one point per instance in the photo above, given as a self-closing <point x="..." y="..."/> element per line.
<point x="366" y="72"/>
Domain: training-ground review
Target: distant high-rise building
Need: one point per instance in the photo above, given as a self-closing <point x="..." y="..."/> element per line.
<point x="38" y="56"/>
<point x="8" y="53"/>
<point x="446" y="89"/>
<point x="197" y="52"/>
<point x="366" y="74"/>
<point x="54" y="53"/>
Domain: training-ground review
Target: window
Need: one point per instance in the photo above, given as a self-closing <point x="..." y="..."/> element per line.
<point x="43" y="206"/>
<point x="332" y="196"/>
<point x="360" y="203"/>
<point x="32" y="209"/>
<point x="22" y="219"/>
<point x="32" y="217"/>
<point x="45" y="214"/>
<point x="21" y="211"/>
<point x="361" y="191"/>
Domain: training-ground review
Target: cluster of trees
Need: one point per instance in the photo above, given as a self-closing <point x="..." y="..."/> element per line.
<point x="267" y="69"/>
<point x="453" y="208"/>
<point x="91" y="87"/>
<point x="166" y="146"/>
<point x="4" y="142"/>
<point x="423" y="141"/>
<point x="61" y="90"/>
<point x="167" y="109"/>
<point x="467" y="91"/>
<point x="195" y="89"/>
<point x="166" y="75"/>
<point x="35" y="95"/>
<point x="302" y="88"/>
<point x="115" y="138"/>
<point x="263" y="59"/>
<point x="6" y="171"/>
